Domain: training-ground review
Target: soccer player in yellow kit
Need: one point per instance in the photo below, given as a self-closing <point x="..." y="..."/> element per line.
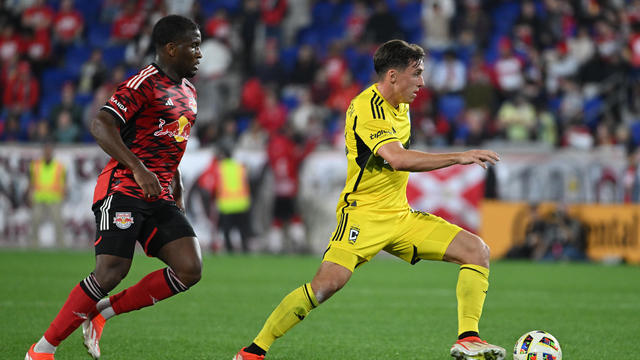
<point x="373" y="213"/>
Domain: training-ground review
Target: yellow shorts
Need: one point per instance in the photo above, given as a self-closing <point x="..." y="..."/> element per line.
<point x="410" y="235"/>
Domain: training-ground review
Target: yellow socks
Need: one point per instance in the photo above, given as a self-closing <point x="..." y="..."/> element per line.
<point x="473" y="283"/>
<point x="291" y="310"/>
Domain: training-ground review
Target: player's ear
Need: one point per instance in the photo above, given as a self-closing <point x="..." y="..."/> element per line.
<point x="392" y="75"/>
<point x="171" y="48"/>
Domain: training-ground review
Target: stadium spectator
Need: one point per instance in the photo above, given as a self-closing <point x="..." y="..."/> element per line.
<point x="127" y="24"/>
<point x="436" y="22"/>
<point x="249" y="20"/>
<point x="68" y="24"/>
<point x="67" y="103"/>
<point x="272" y="13"/>
<point x="449" y="76"/>
<point x="382" y="25"/>
<point x="273" y="114"/>
<point x="560" y="65"/>
<point x="38" y="16"/>
<point x="218" y="26"/>
<point x="22" y="90"/>
<point x="139" y="51"/>
<point x="517" y="119"/>
<point x="92" y="73"/>
<point x="508" y="70"/>
<point x="474" y="21"/>
<point x="306" y="66"/>
<point x="41" y="132"/>
<point x="285" y="157"/>
<point x="10" y="43"/>
<point x="357" y="21"/>
<point x="47" y="190"/>
<point x="339" y="100"/>
<point x="65" y="130"/>
<point x="581" y="46"/>
<point x="37" y="48"/>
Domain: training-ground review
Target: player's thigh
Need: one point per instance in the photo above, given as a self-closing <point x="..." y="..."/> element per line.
<point x="166" y="224"/>
<point x="421" y="235"/>
<point x="358" y="237"/>
<point x="119" y="221"/>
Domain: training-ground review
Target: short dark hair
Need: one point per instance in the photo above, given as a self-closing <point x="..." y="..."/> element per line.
<point x="396" y="54"/>
<point x="171" y="28"/>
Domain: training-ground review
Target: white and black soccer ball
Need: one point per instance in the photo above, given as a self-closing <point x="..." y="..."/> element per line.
<point x="537" y="345"/>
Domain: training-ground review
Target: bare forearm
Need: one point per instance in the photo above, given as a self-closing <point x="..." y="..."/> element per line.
<point x="417" y="161"/>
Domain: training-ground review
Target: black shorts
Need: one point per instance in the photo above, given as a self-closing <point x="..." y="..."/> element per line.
<point x="284" y="208"/>
<point x="123" y="220"/>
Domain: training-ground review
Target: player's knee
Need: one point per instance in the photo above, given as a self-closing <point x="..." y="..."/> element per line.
<point x="480" y="252"/>
<point x="190" y="272"/>
<point x="110" y="277"/>
<point x="325" y="289"/>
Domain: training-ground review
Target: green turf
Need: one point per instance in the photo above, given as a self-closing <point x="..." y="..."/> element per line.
<point x="389" y="310"/>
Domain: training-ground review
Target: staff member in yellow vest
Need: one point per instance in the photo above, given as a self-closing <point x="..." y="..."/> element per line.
<point x="47" y="190"/>
<point x="233" y="199"/>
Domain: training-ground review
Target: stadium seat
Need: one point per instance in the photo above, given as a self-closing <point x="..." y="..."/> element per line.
<point x="75" y="57"/>
<point x="98" y="34"/>
<point x="451" y="106"/>
<point x="635" y="132"/>
<point x="288" y="57"/>
<point x="52" y="80"/>
<point x="592" y="110"/>
<point x="113" y="55"/>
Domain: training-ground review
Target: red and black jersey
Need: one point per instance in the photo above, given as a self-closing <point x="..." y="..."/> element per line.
<point x="157" y="114"/>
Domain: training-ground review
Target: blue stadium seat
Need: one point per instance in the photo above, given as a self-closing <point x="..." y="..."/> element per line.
<point x="592" y="111"/>
<point x="635" y="132"/>
<point x="451" y="106"/>
<point x="53" y="79"/>
<point x="98" y="34"/>
<point x="113" y="55"/>
<point x="75" y="57"/>
<point x="288" y="58"/>
<point x="47" y="102"/>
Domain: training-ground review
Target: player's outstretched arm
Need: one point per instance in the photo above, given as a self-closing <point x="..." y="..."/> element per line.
<point x="105" y="130"/>
<point x="402" y="159"/>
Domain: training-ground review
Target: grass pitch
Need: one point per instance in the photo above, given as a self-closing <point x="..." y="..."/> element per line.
<point x="389" y="310"/>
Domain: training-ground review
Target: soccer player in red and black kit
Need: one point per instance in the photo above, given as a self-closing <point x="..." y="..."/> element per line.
<point x="144" y="127"/>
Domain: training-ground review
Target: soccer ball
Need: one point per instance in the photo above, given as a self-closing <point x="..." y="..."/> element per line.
<point x="537" y="345"/>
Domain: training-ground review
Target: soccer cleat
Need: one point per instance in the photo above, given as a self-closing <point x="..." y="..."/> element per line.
<point x="92" y="331"/>
<point x="32" y="355"/>
<point x="472" y="347"/>
<point x="243" y="355"/>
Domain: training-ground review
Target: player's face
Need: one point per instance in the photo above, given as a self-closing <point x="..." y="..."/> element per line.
<point x="409" y="81"/>
<point x="189" y="54"/>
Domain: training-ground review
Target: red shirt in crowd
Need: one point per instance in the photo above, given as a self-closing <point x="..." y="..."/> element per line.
<point x="38" y="17"/>
<point x="68" y="25"/>
<point x="22" y="90"/>
<point x="285" y="158"/>
<point x="273" y="11"/>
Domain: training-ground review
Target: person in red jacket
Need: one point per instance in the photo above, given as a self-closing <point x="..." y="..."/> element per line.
<point x="22" y="91"/>
<point x="285" y="158"/>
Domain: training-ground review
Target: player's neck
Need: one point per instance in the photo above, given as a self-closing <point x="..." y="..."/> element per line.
<point x="168" y="70"/>
<point x="386" y="90"/>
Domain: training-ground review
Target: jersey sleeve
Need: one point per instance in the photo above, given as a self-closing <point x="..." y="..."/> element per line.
<point x="371" y="125"/>
<point x="126" y="101"/>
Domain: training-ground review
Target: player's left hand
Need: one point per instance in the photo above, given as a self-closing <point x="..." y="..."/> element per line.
<point x="479" y="157"/>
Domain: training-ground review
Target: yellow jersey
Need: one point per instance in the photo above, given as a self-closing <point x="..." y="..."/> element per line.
<point x="371" y="182"/>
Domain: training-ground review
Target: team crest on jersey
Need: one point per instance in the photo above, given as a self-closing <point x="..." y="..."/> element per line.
<point x="353" y="234"/>
<point x="123" y="220"/>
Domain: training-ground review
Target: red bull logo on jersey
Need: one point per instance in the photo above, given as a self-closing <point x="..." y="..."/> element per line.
<point x="123" y="220"/>
<point x="179" y="129"/>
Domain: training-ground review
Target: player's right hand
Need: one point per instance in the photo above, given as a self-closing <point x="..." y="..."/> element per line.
<point x="148" y="182"/>
<point x="479" y="157"/>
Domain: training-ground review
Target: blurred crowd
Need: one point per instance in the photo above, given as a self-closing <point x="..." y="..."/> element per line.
<point x="556" y="73"/>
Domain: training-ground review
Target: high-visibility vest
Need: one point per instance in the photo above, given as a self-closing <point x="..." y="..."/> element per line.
<point x="48" y="181"/>
<point x="233" y="189"/>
